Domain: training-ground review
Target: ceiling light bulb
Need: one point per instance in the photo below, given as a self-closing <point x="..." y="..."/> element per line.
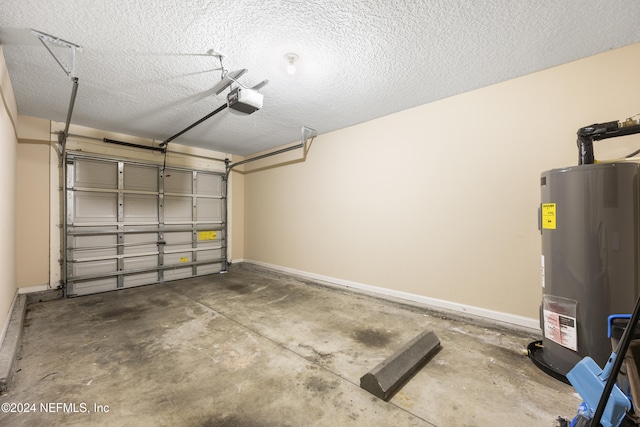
<point x="291" y="59"/>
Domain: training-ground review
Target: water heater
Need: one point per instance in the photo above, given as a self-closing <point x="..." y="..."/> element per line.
<point x="589" y="219"/>
<point x="590" y="224"/>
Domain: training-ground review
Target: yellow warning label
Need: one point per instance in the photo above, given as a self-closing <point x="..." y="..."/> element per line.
<point x="185" y="259"/>
<point x="207" y="235"/>
<point x="549" y="216"/>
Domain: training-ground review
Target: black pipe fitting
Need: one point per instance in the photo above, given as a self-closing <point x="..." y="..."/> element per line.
<point x="597" y="132"/>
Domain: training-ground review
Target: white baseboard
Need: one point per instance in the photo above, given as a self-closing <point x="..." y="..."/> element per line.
<point x="512" y="319"/>
<point x="5" y="326"/>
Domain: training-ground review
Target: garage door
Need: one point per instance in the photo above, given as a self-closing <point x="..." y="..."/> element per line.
<point x="128" y="224"/>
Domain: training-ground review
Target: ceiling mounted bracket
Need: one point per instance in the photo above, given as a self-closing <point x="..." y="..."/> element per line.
<point x="227" y="78"/>
<point x="307" y="133"/>
<point x="48" y="39"/>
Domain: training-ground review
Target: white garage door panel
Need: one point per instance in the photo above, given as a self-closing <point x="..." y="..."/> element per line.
<point x="178" y="273"/>
<point x="209" y="244"/>
<point x="209" y="210"/>
<point x="142" y="243"/>
<point x="177" y="209"/>
<point x="140" y="263"/>
<point x="128" y="224"/>
<point x="212" y="255"/>
<point x="140" y="178"/>
<point x="209" y="269"/>
<point x="101" y="246"/>
<point x="178" y="240"/>
<point x="209" y="185"/>
<point x="131" y="280"/>
<point x="95" y="207"/>
<point x="96" y="174"/>
<point x="93" y="268"/>
<point x="177" y="181"/>
<point x="95" y="286"/>
<point x="176" y="258"/>
<point x="140" y="208"/>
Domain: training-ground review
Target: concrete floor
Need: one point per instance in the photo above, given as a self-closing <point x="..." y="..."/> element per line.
<point x="249" y="348"/>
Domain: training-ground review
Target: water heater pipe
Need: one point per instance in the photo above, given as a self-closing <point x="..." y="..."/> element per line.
<point x="599" y="131"/>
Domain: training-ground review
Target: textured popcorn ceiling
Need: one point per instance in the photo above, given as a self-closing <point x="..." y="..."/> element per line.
<point x="144" y="69"/>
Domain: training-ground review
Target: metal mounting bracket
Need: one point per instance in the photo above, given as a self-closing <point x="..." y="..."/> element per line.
<point x="47" y="39"/>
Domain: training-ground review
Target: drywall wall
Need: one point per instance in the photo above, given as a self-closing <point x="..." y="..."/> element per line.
<point x="8" y="142"/>
<point x="32" y="202"/>
<point x="439" y="203"/>
<point x="236" y="223"/>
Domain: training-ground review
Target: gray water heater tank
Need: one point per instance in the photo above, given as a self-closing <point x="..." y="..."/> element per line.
<point x="590" y="224"/>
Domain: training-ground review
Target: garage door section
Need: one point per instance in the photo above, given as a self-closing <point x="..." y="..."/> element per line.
<point x="128" y="224"/>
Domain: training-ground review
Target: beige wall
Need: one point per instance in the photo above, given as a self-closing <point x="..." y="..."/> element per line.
<point x="32" y="202"/>
<point x="8" y="142"/>
<point x="236" y="223"/>
<point x="440" y="201"/>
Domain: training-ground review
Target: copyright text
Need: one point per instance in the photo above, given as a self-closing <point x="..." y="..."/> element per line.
<point x="53" y="407"/>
